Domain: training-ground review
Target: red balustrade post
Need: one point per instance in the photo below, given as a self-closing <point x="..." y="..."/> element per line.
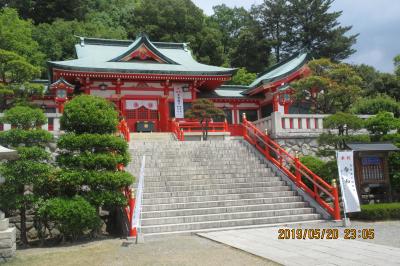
<point x="131" y="212"/>
<point x="336" y="206"/>
<point x="297" y="169"/>
<point x="244" y="122"/>
<point x="226" y="125"/>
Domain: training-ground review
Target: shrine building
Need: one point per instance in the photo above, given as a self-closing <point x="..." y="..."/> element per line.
<point x="157" y="81"/>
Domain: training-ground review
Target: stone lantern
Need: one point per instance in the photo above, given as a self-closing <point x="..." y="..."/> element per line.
<point x="7" y="234"/>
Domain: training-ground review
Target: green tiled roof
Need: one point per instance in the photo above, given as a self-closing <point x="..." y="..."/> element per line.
<point x="228" y="91"/>
<point x="280" y="70"/>
<point x="101" y="55"/>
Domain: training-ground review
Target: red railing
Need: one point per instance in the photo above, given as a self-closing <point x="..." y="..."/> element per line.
<point x="178" y="128"/>
<point x="123" y="129"/>
<point x="196" y="126"/>
<point x="314" y="185"/>
<point x="128" y="192"/>
<point x="174" y="128"/>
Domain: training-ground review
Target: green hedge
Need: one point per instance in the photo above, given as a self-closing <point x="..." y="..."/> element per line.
<point x="92" y="142"/>
<point x="73" y="217"/>
<point x="383" y="211"/>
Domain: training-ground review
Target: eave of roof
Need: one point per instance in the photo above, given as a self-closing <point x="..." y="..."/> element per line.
<point x="282" y="69"/>
<point x="372" y="146"/>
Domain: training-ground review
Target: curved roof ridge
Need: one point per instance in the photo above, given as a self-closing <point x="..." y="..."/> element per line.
<point x="143" y="39"/>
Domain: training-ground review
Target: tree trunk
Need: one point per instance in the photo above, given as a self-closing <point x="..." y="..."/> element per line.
<point x="206" y="131"/>
<point x="24" y="238"/>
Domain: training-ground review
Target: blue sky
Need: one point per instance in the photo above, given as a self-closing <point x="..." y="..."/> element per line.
<point x="377" y="22"/>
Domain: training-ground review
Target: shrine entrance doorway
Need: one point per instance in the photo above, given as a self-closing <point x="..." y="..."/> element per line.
<point x="142" y="115"/>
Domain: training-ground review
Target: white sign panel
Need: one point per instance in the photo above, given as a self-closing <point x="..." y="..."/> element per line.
<point x="347" y="181"/>
<point x="136" y="104"/>
<point x="178" y="95"/>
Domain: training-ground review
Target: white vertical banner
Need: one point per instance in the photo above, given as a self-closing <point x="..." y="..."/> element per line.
<point x="345" y="161"/>
<point x="178" y="96"/>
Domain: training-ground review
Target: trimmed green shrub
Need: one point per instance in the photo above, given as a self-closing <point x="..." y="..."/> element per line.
<point x="340" y="119"/>
<point x="24" y="117"/>
<point x="372" y="106"/>
<point x="89" y="153"/>
<point x="92" y="142"/>
<point x="381" y="124"/>
<point x="338" y="142"/>
<point x="32" y="168"/>
<point x="325" y="170"/>
<point x="89" y="114"/>
<point x="16" y="137"/>
<point x="382" y="211"/>
<point x="73" y="216"/>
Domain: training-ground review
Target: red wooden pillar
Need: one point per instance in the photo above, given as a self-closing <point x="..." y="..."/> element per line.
<point x="163" y="109"/>
<point x="275" y="102"/>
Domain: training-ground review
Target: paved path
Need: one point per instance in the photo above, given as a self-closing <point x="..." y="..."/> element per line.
<point x="264" y="242"/>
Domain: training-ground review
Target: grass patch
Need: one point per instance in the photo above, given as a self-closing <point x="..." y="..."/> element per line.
<point x="382" y="211"/>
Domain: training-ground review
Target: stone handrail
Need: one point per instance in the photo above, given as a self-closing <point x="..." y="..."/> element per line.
<point x="53" y="124"/>
<point x="281" y="125"/>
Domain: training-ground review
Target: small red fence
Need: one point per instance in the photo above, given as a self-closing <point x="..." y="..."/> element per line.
<point x="179" y="128"/>
<point x="303" y="177"/>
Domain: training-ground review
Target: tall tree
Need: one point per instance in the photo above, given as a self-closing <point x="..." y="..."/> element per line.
<point x="230" y="21"/>
<point x="293" y="25"/>
<point x="330" y="88"/>
<point x="16" y="36"/>
<point x="41" y="11"/>
<point x="31" y="169"/>
<point x="178" y="21"/>
<point x="204" y="111"/>
<point x="252" y="50"/>
<point x="318" y="30"/>
<point x="396" y="61"/>
<point x="57" y="39"/>
<point x="274" y="18"/>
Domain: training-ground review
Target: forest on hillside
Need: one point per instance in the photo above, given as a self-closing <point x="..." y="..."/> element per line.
<point x="35" y="32"/>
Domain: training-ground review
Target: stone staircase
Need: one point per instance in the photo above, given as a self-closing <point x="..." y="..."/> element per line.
<point x="202" y="186"/>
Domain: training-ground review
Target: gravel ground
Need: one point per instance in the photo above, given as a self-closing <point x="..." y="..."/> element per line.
<point x="168" y="250"/>
<point x="386" y="232"/>
<point x="177" y="250"/>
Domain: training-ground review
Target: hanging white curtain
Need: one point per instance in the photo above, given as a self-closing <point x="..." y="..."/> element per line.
<point x="136" y="104"/>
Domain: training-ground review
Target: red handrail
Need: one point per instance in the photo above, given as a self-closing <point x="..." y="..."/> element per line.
<point x="174" y="127"/>
<point x="286" y="162"/>
<point x="129" y="194"/>
<point x="123" y="129"/>
<point x="196" y="126"/>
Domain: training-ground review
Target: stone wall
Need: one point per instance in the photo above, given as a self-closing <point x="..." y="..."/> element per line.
<point x="7" y="239"/>
<point x="303" y="145"/>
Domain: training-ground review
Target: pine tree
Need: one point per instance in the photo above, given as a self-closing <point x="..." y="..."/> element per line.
<point x="294" y="25"/>
<point x="273" y="16"/>
<point x="317" y="30"/>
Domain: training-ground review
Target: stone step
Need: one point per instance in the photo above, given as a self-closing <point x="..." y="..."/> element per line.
<point x="220" y="203"/>
<point x="219" y="197"/>
<point x="212" y="192"/>
<point x="2" y="215"/>
<point x="4" y="224"/>
<point x="228" y="209"/>
<point x="154" y="229"/>
<point x="189" y="177"/>
<point x="224" y="216"/>
<point x="204" y="181"/>
<point x="202" y="171"/>
<point x="163" y="188"/>
<point x="221" y="161"/>
<point x="206" y="168"/>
